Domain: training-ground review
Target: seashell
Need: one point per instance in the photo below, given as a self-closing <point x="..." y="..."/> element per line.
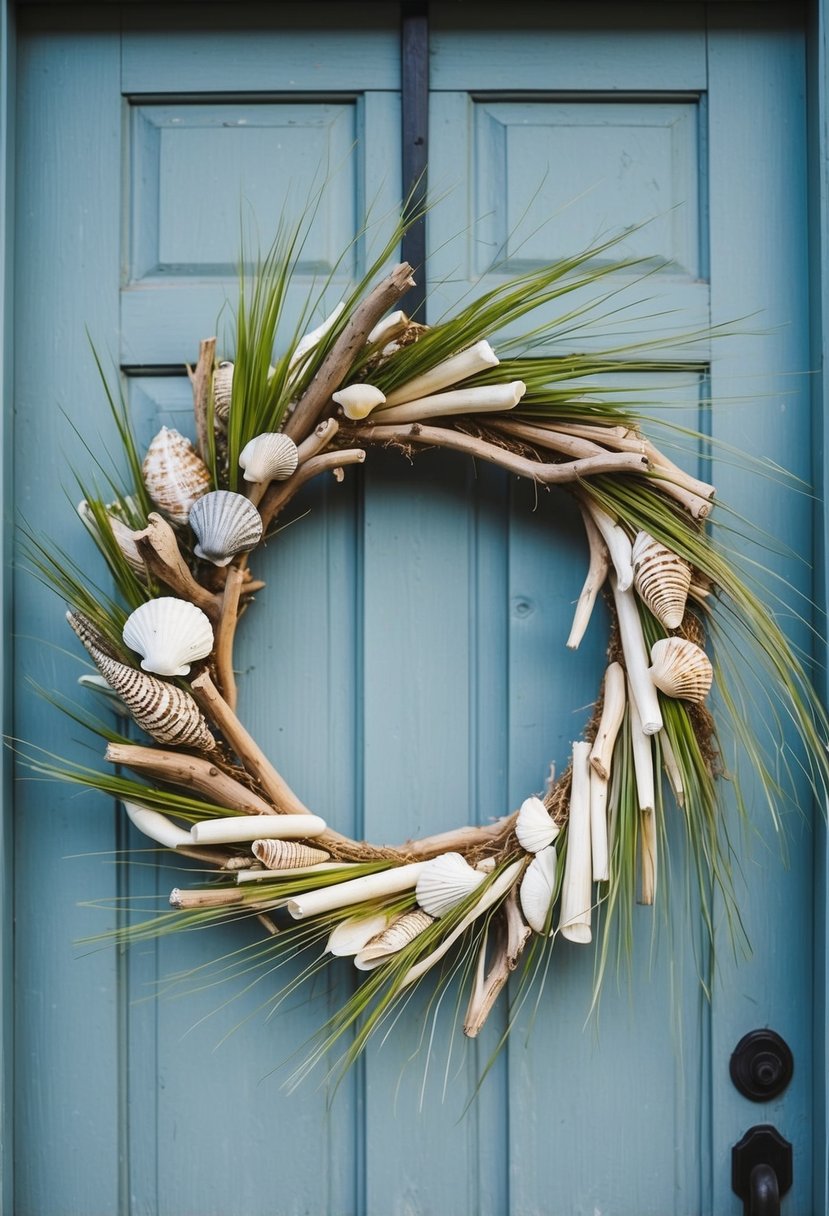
<point x="287" y="854"/>
<point x="399" y="934"/>
<point x="534" y="827"/>
<point x="351" y="934"/>
<point x="225" y="524"/>
<point x="174" y="474"/>
<point x="310" y="340"/>
<point x="681" y="669"/>
<point x="269" y="457"/>
<point x="167" y="713"/>
<point x="358" y="400"/>
<point x="124" y="536"/>
<point x="444" y="882"/>
<point x="537" y="889"/>
<point x="387" y="329"/>
<point x="458" y="367"/>
<point x="222" y="390"/>
<point x="662" y="579"/>
<point x="169" y="634"/>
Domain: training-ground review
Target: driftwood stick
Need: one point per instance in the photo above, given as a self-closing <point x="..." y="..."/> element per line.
<point x="201" y="380"/>
<point x="159" y="549"/>
<point x="568" y="445"/>
<point x="342" y="354"/>
<point x="212" y="857"/>
<point x="191" y="772"/>
<point x="597" y="572"/>
<point x="319" y="438"/>
<point x="511" y="939"/>
<point x="490" y="835"/>
<point x="278" y="496"/>
<point x="226" y="632"/>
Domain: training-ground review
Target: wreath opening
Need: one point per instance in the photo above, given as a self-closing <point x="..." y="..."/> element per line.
<point x="179" y="535"/>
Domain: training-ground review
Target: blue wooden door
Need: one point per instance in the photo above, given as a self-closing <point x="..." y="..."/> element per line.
<point x="416" y="615"/>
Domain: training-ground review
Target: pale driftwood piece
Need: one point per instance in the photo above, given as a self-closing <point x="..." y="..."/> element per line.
<point x="226" y="632"/>
<point x="319" y="438"/>
<point x="617" y="541"/>
<point x="201" y="379"/>
<point x="597" y="571"/>
<point x="461" y="839"/>
<point x="213" y="857"/>
<point x="547" y="437"/>
<point x="576" y="902"/>
<point x="646" y="796"/>
<point x="158" y="547"/>
<point x="345" y="349"/>
<point x="269" y="926"/>
<point x="222" y="898"/>
<point x="191" y="772"/>
<point x="278" y="496"/>
<point x="703" y="489"/>
<point x="544" y="474"/>
<point x="613" y="711"/>
<point x="637" y="659"/>
<point x="699" y="508"/>
<point x="488" y="985"/>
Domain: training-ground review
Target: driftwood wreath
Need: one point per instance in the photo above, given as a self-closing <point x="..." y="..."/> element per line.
<point x="178" y="537"/>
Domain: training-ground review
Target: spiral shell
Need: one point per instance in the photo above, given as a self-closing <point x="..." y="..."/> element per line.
<point x="169" y="634"/>
<point x="174" y="474"/>
<point x="225" y="524"/>
<point x="269" y="457"/>
<point x="287" y="854"/>
<point x="168" y="714"/>
<point x="662" y="579"/>
<point x="444" y="882"/>
<point x="681" y="669"/>
<point x="538" y="887"/>
<point x="398" y="935"/>
<point x="358" y="400"/>
<point x="222" y="390"/>
<point x="534" y="827"/>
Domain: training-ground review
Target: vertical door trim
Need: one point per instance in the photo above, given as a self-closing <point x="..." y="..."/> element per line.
<point x="414" y="120"/>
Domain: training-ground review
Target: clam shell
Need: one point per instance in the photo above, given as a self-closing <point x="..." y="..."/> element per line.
<point x="399" y="933"/>
<point x="662" y="579"/>
<point x="167" y="713"/>
<point x="392" y="325"/>
<point x="169" y="634"/>
<point x="444" y="882"/>
<point x="222" y="390"/>
<point x="269" y="457"/>
<point x="287" y="854"/>
<point x="225" y="524"/>
<point x="358" y="400"/>
<point x="174" y="474"/>
<point x="537" y="888"/>
<point x="351" y="934"/>
<point x="534" y="827"/>
<point x="681" y="669"/>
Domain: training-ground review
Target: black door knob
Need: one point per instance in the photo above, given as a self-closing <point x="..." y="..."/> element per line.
<point x="761" y="1170"/>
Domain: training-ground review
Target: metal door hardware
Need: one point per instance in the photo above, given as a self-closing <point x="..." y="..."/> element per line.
<point x="761" y="1065"/>
<point x="761" y="1170"/>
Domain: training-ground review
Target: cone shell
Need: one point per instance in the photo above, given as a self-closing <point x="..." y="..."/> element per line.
<point x="222" y="390"/>
<point x="167" y="713"/>
<point x="174" y="474"/>
<point x="287" y="854"/>
<point x="444" y="882"/>
<point x="681" y="669"/>
<point x="534" y="827"/>
<point x="398" y="935"/>
<point x="358" y="400"/>
<point x="169" y="634"/>
<point x="269" y="457"/>
<point x="537" y="888"/>
<point x="225" y="524"/>
<point x="351" y="934"/>
<point x="662" y="579"/>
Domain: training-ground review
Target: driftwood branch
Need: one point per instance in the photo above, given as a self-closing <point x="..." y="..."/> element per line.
<point x="512" y="934"/>
<point x="280" y="494"/>
<point x="201" y="380"/>
<point x="546" y="437"/>
<point x="226" y="632"/>
<point x="190" y="772"/>
<point x="159" y="549"/>
<point x="336" y="363"/>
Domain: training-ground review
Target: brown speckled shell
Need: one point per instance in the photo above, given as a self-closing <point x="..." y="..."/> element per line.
<point x="662" y="580"/>
<point x="174" y="474"/>
<point x="681" y="669"/>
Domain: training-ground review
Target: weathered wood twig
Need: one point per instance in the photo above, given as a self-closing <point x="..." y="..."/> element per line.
<point x="201" y="380"/>
<point x="597" y="571"/>
<point x="159" y="549"/>
<point x="190" y="772"/>
<point x="512" y="934"/>
<point x="226" y="632"/>
<point x="546" y="437"/>
<point x="279" y="495"/>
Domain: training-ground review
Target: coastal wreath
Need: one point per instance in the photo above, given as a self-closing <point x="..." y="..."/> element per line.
<point x="178" y="534"/>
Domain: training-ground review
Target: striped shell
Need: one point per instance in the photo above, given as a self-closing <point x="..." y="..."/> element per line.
<point x="174" y="474"/>
<point x="358" y="400"/>
<point x="534" y="827"/>
<point x="444" y="882"/>
<point x="287" y="854"/>
<point x="350" y="935"/>
<point x="225" y="524"/>
<point x="398" y="935"/>
<point x="537" y="889"/>
<point x="167" y="713"/>
<point x="269" y="457"/>
<point x="169" y="634"/>
<point x="681" y="669"/>
<point x="222" y="390"/>
<point x="662" y="579"/>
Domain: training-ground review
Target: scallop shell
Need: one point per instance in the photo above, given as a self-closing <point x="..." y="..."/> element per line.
<point x="398" y="935"/>
<point x="169" y="634"/>
<point x="534" y="827"/>
<point x="225" y="524"/>
<point x="351" y="934"/>
<point x="444" y="882"/>
<point x="269" y="457"/>
<point x="167" y="713"/>
<point x="537" y="889"/>
<point x="662" y="579"/>
<point x="222" y="390"/>
<point x="287" y="854"/>
<point x="174" y="474"/>
<point x="358" y="400"/>
<point x="681" y="669"/>
<point x="124" y="536"/>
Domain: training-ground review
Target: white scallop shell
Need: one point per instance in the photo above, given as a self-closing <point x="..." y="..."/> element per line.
<point x="225" y="524"/>
<point x="358" y="400"/>
<point x="399" y="934"/>
<point x="222" y="390"/>
<point x="287" y="854"/>
<point x="351" y="934"/>
<point x="444" y="882"/>
<point x="534" y="826"/>
<point x="662" y="579"/>
<point x="174" y="474"/>
<point x="269" y="457"/>
<point x="169" y="634"/>
<point x="681" y="669"/>
<point x="537" y="889"/>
